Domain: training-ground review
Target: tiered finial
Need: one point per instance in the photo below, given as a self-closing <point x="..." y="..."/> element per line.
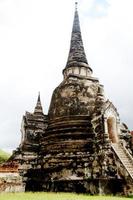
<point x="38" y="108"/>
<point x="76" y="55"/>
<point x="38" y="97"/>
<point x="76" y="5"/>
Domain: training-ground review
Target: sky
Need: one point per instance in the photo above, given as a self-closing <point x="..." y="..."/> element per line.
<point x="34" y="44"/>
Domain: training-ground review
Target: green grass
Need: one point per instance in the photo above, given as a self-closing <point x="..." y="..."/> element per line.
<point x="3" y="156"/>
<point x="55" y="196"/>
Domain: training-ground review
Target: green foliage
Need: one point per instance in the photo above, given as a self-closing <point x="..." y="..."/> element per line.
<point x="3" y="156"/>
<point x="55" y="196"/>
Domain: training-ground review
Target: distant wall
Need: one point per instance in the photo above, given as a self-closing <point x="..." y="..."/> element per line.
<point x="11" y="182"/>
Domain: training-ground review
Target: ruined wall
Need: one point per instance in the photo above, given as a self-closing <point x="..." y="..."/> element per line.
<point x="10" y="179"/>
<point x="11" y="182"/>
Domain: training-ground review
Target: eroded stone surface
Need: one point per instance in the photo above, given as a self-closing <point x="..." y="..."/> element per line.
<point x="70" y="149"/>
<point x="10" y="179"/>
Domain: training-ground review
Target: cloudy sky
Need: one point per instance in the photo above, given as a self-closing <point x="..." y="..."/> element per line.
<point x="34" y="45"/>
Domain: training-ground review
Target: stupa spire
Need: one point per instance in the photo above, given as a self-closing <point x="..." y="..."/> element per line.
<point x="38" y="108"/>
<point x="76" y="55"/>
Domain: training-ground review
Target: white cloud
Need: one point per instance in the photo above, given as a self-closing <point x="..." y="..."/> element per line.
<point x="34" y="38"/>
<point x="95" y="8"/>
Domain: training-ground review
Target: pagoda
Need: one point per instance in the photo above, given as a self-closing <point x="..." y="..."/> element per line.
<point x="80" y="145"/>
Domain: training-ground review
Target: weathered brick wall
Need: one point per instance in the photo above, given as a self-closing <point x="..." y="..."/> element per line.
<point x="10" y="179"/>
<point x="11" y="182"/>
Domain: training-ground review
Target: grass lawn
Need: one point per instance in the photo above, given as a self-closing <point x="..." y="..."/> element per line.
<point x="3" y="156"/>
<point x="55" y="196"/>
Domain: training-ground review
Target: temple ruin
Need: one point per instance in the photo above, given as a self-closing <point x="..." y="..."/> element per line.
<point x="80" y="145"/>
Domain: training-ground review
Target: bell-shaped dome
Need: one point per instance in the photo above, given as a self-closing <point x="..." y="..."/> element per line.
<point x="74" y="96"/>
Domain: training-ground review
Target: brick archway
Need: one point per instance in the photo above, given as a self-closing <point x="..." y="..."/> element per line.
<point x="112" y="129"/>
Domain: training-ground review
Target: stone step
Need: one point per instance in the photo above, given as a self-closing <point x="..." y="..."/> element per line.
<point x="129" y="169"/>
<point x="129" y="166"/>
<point x="124" y="157"/>
<point x="126" y="161"/>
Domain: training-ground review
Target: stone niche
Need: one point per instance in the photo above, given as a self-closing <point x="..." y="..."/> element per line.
<point x="111" y="122"/>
